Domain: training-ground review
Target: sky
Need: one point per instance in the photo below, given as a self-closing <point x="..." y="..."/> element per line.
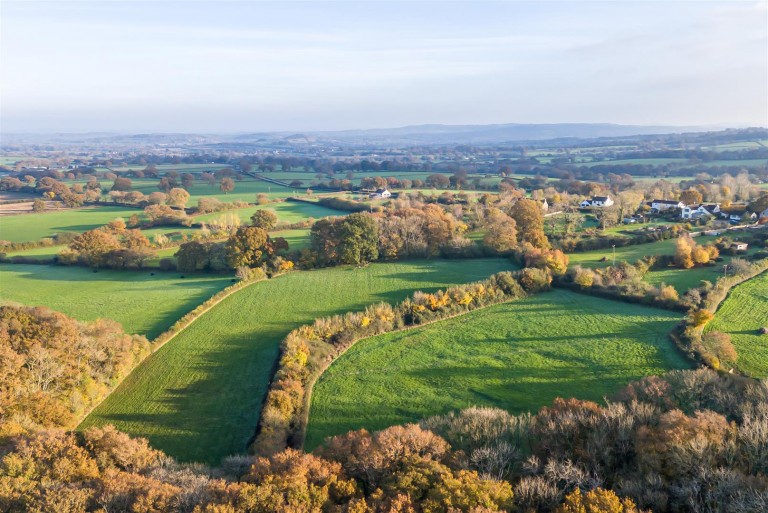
<point x="216" y="67"/>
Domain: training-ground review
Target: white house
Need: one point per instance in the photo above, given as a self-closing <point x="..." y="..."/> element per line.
<point x="544" y="205"/>
<point x="696" y="211"/>
<point x="381" y="193"/>
<point x="662" y="205"/>
<point x="597" y="201"/>
<point x="737" y="214"/>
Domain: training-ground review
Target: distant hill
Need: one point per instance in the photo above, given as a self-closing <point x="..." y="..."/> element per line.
<point x="403" y="136"/>
<point x="462" y="134"/>
<point x="485" y="134"/>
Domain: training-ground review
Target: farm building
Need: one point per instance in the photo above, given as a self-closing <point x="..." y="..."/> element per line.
<point x="740" y="246"/>
<point x="738" y="214"/>
<point x="662" y="205"/>
<point x="381" y="193"/>
<point x="597" y="201"/>
<point x="697" y="211"/>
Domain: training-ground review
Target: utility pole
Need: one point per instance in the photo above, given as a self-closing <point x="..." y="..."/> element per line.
<point x="614" y="254"/>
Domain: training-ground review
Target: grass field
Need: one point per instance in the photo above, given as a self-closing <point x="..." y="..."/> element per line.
<point x="518" y="356"/>
<point x="287" y="212"/>
<point x="199" y="397"/>
<point x="245" y="190"/>
<point x="627" y="253"/>
<point x="142" y="303"/>
<point x="29" y="227"/>
<point x="639" y="162"/>
<point x="684" y="279"/>
<point x="741" y="315"/>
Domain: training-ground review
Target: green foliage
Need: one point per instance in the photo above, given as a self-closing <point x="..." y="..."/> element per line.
<point x="350" y="240"/>
<point x="249" y="246"/>
<point x="264" y="219"/>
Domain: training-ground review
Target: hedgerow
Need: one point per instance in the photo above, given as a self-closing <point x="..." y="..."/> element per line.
<point x="308" y="350"/>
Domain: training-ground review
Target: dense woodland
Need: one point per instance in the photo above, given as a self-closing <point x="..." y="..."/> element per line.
<point x="53" y="368"/>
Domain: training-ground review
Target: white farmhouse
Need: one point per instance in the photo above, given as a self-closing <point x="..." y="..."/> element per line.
<point x="597" y="201"/>
<point x="662" y="205"/>
<point x="697" y="211"/>
<point x="381" y="193"/>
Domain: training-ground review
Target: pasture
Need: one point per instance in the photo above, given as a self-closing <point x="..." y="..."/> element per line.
<point x="286" y="211"/>
<point x="199" y="397"/>
<point x="142" y="303"/>
<point x="245" y="190"/>
<point x="741" y="315"/>
<point x="604" y="257"/>
<point x="518" y="356"/>
<point x="29" y="227"/>
<point x="683" y="279"/>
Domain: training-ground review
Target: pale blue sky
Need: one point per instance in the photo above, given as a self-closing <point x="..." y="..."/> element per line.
<point x="249" y="66"/>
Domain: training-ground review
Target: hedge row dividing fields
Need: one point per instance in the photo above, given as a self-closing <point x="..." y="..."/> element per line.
<point x="199" y="397"/>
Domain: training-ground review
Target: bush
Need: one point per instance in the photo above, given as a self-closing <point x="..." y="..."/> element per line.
<point x="167" y="264"/>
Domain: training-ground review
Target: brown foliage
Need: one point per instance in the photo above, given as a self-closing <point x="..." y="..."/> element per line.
<point x="55" y="367"/>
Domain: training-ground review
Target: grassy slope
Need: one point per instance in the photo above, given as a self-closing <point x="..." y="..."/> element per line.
<point x="741" y="315"/>
<point x="142" y="303"/>
<point x="518" y="356"/>
<point x="198" y="398"/>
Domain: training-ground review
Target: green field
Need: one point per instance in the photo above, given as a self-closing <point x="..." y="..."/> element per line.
<point x="286" y="211"/>
<point x="29" y="227"/>
<point x="630" y="253"/>
<point x="199" y="397"/>
<point x="741" y="315"/>
<point x="245" y="190"/>
<point x="639" y="162"/>
<point x="142" y="303"/>
<point x="627" y="253"/>
<point x="684" y="279"/>
<point x="518" y="356"/>
<point x="164" y="168"/>
<point x="678" y="162"/>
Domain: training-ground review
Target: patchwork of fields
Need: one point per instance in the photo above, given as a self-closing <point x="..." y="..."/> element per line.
<point x="518" y="356"/>
<point x="741" y="315"/>
<point x="198" y="398"/>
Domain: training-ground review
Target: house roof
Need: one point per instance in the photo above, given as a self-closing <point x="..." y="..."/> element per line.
<point x="666" y="202"/>
<point x="599" y="198"/>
